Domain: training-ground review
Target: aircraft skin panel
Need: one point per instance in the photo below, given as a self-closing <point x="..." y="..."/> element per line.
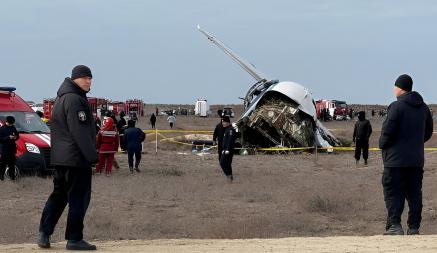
<point x="295" y="92"/>
<point x="299" y="94"/>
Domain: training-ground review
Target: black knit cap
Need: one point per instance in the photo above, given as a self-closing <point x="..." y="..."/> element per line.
<point x="10" y="119"/>
<point x="81" y="71"/>
<point x="404" y="82"/>
<point x="226" y="119"/>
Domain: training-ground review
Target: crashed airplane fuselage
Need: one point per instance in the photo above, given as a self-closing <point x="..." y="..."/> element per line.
<point x="277" y="113"/>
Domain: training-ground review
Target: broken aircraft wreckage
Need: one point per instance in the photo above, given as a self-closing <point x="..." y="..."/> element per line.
<point x="277" y="114"/>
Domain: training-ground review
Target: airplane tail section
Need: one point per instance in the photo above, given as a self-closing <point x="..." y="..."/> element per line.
<point x="248" y="67"/>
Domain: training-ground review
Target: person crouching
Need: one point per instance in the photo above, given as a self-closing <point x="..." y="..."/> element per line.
<point x="107" y="141"/>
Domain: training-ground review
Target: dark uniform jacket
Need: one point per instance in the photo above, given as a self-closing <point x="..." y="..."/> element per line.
<point x="73" y="132"/>
<point x="153" y="119"/>
<point x="8" y="146"/>
<point x="133" y="136"/>
<point x="219" y="131"/>
<point x="229" y="139"/>
<point x="121" y="124"/>
<point x="362" y="130"/>
<point x="407" y="127"/>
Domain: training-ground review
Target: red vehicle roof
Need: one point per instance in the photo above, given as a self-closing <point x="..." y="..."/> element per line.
<point x="9" y="101"/>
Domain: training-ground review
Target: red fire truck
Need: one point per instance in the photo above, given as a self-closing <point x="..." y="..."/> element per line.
<point x="116" y="107"/>
<point x="134" y="107"/>
<point x="98" y="106"/>
<point x="335" y="109"/>
<point x="48" y="107"/>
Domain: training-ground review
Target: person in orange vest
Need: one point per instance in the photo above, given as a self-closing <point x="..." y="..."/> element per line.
<point x="107" y="141"/>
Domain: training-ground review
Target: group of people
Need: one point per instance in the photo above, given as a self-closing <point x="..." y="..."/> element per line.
<point x="110" y="136"/>
<point x="76" y="146"/>
<point x="171" y="120"/>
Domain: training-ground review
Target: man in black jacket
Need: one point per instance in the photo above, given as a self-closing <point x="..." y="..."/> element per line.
<point x="121" y="127"/>
<point x="8" y="136"/>
<point x="362" y="132"/>
<point x="228" y="148"/>
<point x="133" y="137"/>
<point x="217" y="138"/>
<point x="73" y="142"/>
<point x="407" y="127"/>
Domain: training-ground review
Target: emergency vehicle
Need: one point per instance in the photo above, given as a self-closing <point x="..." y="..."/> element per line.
<point x="134" y="107"/>
<point x="33" y="146"/>
<point x="335" y="108"/>
<point x="201" y="108"/>
<point x="48" y="107"/>
<point x="116" y="107"/>
<point x="98" y="106"/>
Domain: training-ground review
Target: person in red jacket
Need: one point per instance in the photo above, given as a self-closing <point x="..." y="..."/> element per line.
<point x="107" y="141"/>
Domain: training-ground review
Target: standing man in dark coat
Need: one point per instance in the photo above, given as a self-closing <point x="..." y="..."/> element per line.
<point x="362" y="132"/>
<point x="228" y="148"/>
<point x="73" y="142"/>
<point x="405" y="130"/>
<point x="153" y="120"/>
<point x="217" y="138"/>
<point x="121" y="126"/>
<point x="133" y="137"/>
<point x="8" y="136"/>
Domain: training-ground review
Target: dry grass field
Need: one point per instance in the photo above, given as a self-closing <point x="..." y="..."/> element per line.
<point x="182" y="195"/>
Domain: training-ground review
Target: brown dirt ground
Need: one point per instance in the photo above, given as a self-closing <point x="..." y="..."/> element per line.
<point x="181" y="195"/>
<point x="372" y="244"/>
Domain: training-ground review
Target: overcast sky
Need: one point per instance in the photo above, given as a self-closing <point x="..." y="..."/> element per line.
<point x="151" y="49"/>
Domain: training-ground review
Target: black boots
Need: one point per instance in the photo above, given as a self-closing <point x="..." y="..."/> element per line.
<point x="79" y="245"/>
<point x="395" y="229"/>
<point x="413" y="231"/>
<point x="44" y="241"/>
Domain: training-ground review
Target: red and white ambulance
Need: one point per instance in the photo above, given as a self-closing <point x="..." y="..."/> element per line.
<point x="33" y="146"/>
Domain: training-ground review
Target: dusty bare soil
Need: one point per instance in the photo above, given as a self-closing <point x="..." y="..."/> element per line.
<point x="181" y="195"/>
<point x="397" y="244"/>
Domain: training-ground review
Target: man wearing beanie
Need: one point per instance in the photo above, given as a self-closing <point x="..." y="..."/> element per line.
<point x="407" y="127"/>
<point x="73" y="142"/>
<point x="227" y="148"/>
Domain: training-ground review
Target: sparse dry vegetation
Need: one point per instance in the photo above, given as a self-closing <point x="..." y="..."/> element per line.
<point x="181" y="195"/>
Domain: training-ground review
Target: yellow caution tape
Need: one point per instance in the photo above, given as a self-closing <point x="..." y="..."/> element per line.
<point x="178" y="131"/>
<point x="171" y="139"/>
<point x="283" y="149"/>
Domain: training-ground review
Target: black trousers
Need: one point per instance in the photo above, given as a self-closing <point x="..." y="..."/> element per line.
<point x="122" y="143"/>
<point x="72" y="185"/>
<point x="130" y="158"/>
<point x="402" y="184"/>
<point x="153" y="124"/>
<point x="219" y="154"/>
<point x="9" y="161"/>
<point x="364" y="146"/>
<point x="226" y="164"/>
